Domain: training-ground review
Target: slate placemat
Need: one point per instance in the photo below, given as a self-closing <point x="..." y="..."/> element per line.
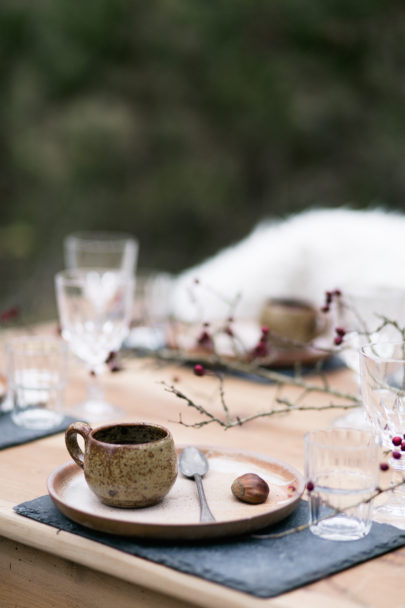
<point x="264" y="568"/>
<point x="330" y="364"/>
<point x="11" y="434"/>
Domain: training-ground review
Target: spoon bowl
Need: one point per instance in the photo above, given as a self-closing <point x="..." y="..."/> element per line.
<point x="193" y="464"/>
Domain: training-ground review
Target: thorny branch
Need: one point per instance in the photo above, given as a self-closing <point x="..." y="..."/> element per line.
<point x="230" y="422"/>
<point x="257" y="362"/>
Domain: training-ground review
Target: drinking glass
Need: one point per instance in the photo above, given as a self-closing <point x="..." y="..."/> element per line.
<point x="36" y="376"/>
<point x="95" y="309"/>
<point x="113" y="250"/>
<point x="342" y="466"/>
<point x="152" y="311"/>
<point x="361" y="312"/>
<point x="382" y="367"/>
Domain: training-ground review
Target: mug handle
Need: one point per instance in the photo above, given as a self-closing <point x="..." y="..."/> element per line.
<point x="77" y="428"/>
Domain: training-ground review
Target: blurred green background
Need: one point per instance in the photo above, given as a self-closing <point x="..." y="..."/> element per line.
<point x="185" y="122"/>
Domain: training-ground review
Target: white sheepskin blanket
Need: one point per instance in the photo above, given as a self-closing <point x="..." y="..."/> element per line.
<point x="302" y="257"/>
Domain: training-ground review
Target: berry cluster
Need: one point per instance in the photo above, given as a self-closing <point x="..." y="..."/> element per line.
<point x="340" y="334"/>
<point x="398" y="442"/>
<point x="262" y="347"/>
<point x="329" y="295"/>
<point x="10" y="314"/>
<point x="205" y="339"/>
<point x="113" y="362"/>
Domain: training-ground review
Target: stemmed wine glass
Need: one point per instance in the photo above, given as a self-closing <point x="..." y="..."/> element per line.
<point x="361" y="312"/>
<point x="382" y="367"/>
<point x="95" y="309"/>
<point x="108" y="249"/>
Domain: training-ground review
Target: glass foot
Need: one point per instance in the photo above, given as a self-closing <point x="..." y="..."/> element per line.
<point x="94" y="411"/>
<point x="6" y="405"/>
<point x="341" y="527"/>
<point x="356" y="419"/>
<point x="391" y="513"/>
<point x="392" y="510"/>
<point x="36" y="418"/>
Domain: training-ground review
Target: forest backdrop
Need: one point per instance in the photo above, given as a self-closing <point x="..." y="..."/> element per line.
<point x="185" y="122"/>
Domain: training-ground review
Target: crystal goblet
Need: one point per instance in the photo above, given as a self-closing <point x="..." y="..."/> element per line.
<point x="95" y="310"/>
<point x="363" y="312"/>
<point x="382" y="368"/>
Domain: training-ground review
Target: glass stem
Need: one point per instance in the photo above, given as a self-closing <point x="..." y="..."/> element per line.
<point x="94" y="389"/>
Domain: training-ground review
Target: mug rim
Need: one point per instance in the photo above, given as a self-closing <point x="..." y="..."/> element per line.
<point x="126" y="424"/>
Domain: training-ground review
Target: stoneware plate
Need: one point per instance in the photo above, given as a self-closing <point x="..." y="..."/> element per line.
<point x="281" y="355"/>
<point x="177" y="516"/>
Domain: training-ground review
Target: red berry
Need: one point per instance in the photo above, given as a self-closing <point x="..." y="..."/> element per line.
<point x="338" y="340"/>
<point x="340" y="331"/>
<point x="403" y="446"/>
<point x="9" y="314"/>
<point x="261" y="349"/>
<point x="111" y="356"/>
<point x="310" y="486"/>
<point x="397" y="440"/>
<point x="199" y="370"/>
<point x="265" y="330"/>
<point x="205" y="340"/>
<point x="384" y="466"/>
<point x="396" y="455"/>
<point x="337" y="292"/>
<point x="325" y="309"/>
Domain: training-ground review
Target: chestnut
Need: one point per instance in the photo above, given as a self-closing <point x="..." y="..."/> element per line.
<point x="250" y="488"/>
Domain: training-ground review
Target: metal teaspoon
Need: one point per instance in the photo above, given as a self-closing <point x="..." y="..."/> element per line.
<point x="193" y="463"/>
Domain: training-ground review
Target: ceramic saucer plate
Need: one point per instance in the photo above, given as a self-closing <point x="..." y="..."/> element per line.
<point x="246" y="336"/>
<point x="177" y="516"/>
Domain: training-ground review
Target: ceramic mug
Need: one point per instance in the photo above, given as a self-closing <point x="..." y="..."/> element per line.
<point x="292" y="319"/>
<point x="126" y="465"/>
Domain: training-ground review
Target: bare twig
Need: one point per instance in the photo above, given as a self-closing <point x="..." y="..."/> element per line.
<point x="230" y="422"/>
<point x="254" y="369"/>
<point x="329" y="515"/>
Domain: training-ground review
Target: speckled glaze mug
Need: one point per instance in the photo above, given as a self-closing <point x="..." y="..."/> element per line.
<point x="126" y="465"/>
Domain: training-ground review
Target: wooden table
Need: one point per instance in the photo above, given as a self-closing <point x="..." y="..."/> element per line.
<point x="40" y="566"/>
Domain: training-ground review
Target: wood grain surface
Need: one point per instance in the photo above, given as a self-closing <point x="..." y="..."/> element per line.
<point x="40" y="567"/>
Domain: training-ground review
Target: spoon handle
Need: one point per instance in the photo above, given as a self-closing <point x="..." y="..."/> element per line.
<point x="205" y="513"/>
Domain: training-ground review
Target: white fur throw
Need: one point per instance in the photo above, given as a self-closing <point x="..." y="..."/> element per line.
<point x="302" y="256"/>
